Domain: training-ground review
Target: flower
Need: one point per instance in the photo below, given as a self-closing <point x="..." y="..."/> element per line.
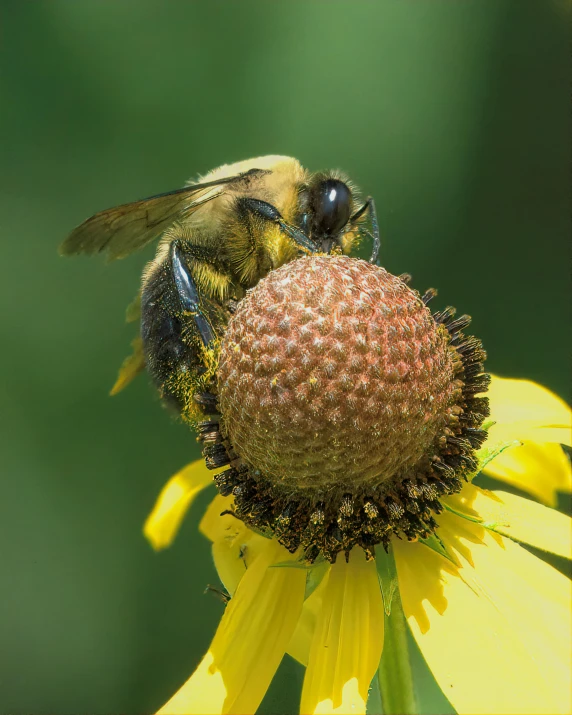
<point x="491" y="619"/>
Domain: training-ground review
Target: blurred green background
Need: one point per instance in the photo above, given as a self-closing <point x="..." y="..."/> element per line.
<point x="453" y="114"/>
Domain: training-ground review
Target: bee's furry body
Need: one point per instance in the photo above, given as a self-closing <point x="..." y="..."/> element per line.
<point x="238" y="223"/>
<point x="240" y="251"/>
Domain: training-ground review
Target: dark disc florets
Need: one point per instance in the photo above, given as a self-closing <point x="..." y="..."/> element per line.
<point x="346" y="408"/>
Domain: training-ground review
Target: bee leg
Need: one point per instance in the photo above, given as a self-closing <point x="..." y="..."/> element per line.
<point x="267" y="212"/>
<point x="190" y="302"/>
<point x="208" y="402"/>
<point x="189" y="295"/>
<point x="370" y="206"/>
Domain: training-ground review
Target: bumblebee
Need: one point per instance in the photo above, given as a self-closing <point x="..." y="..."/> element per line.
<point x="219" y="237"/>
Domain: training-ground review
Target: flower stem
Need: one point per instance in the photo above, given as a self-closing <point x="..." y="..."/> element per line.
<point x="394" y="674"/>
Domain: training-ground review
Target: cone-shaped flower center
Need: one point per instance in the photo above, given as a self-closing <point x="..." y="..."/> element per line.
<point x="346" y="407"/>
<point x="334" y="373"/>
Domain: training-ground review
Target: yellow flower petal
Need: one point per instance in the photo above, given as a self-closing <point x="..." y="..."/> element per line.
<point x="525" y="411"/>
<point x="529" y="413"/>
<point x="540" y="469"/>
<point x="175" y="498"/>
<point x="348" y="639"/>
<point x="299" y="646"/>
<point x="234" y="547"/>
<point x="521" y="519"/>
<point x="233" y="558"/>
<point x="250" y="640"/>
<point x="495" y="632"/>
<point x="130" y="368"/>
<point x="216" y="527"/>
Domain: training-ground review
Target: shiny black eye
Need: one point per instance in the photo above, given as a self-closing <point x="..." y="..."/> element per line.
<point x="330" y="207"/>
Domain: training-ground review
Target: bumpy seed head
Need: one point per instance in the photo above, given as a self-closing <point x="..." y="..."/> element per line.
<point x="333" y="372"/>
<point x="346" y="407"/>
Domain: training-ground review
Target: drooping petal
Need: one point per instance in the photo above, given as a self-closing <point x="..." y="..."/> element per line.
<point x="301" y="641"/>
<point x="216" y="527"/>
<point x="521" y="519"/>
<point x="173" y="502"/>
<point x="234" y="547"/>
<point x="130" y="368"/>
<point x="537" y="418"/>
<point x="540" y="469"/>
<point x="347" y="641"/>
<point x="526" y="411"/>
<point x="496" y="631"/>
<point x="250" y="640"/>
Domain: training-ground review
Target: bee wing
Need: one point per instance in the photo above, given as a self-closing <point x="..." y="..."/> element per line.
<point x="124" y="229"/>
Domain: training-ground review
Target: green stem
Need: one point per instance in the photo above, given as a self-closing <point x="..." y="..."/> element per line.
<point x="394" y="674"/>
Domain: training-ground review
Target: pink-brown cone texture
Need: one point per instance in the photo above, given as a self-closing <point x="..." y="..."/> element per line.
<point x="344" y="409"/>
<point x="332" y="370"/>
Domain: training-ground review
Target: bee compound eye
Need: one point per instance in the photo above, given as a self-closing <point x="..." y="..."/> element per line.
<point x="331" y="205"/>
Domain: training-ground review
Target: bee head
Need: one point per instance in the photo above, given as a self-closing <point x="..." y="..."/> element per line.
<point x="328" y="209"/>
